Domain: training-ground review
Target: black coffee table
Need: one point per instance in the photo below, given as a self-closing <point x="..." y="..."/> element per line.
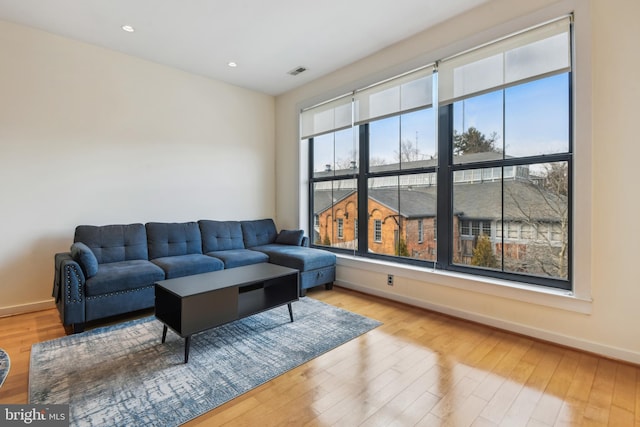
<point x="193" y="304"/>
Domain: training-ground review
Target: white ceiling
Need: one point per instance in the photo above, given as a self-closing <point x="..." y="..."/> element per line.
<point x="267" y="38"/>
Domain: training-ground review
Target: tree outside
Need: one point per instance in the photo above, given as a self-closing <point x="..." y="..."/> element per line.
<point x="556" y="178"/>
<point x="474" y="141"/>
<point x="401" y="248"/>
<point x="547" y="249"/>
<point x="483" y="255"/>
<point x="409" y="152"/>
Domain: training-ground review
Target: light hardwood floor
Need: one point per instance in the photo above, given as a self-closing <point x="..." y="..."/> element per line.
<point x="418" y="368"/>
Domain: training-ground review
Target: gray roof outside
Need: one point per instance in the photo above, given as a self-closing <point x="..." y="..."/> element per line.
<point x="522" y="201"/>
<point x="416" y="164"/>
<point x="324" y="199"/>
<point x="413" y="203"/>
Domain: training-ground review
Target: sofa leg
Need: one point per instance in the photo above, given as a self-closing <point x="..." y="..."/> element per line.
<point x="303" y="293"/>
<point x="78" y="327"/>
<point x="328" y="286"/>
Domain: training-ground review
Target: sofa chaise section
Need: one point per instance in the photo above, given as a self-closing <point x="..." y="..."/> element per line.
<point x="106" y="273"/>
<point x="317" y="267"/>
<point x="288" y="248"/>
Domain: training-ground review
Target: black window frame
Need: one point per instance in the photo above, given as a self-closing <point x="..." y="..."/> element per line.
<point x="445" y="199"/>
<point x="444" y="171"/>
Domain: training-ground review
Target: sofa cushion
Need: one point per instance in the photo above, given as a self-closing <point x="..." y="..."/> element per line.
<point x="239" y="257"/>
<point x="173" y="239"/>
<point x="220" y="235"/>
<point x="83" y="255"/>
<point x="258" y="232"/>
<point x="124" y="275"/>
<point x="186" y="265"/>
<point x="290" y="237"/>
<point x="114" y="243"/>
<point x="298" y="257"/>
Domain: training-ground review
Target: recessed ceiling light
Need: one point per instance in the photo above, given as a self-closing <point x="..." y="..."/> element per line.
<point x="128" y="28"/>
<point x="232" y="64"/>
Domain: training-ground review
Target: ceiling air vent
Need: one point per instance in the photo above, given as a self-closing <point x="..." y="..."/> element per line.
<point x="297" y="71"/>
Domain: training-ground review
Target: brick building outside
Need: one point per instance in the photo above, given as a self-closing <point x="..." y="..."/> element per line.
<point x="524" y="222"/>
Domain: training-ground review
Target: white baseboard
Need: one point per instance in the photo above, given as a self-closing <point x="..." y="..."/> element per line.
<point x="542" y="334"/>
<point x="27" y="308"/>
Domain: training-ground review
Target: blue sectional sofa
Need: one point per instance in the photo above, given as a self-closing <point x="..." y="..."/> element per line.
<point x="112" y="269"/>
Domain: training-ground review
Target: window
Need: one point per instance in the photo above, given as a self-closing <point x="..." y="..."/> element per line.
<point x="377" y="230"/>
<point x="475" y="228"/>
<point x="479" y="159"/>
<point x="435" y="231"/>
<point x="397" y="132"/>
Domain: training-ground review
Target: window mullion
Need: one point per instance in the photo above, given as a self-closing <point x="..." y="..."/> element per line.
<point x="311" y="194"/>
<point x="445" y="226"/>
<point x="363" y="197"/>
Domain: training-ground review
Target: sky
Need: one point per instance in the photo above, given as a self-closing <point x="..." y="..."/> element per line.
<point x="535" y="122"/>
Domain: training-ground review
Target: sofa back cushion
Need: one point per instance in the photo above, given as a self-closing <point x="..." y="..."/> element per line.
<point x="220" y="235"/>
<point x="258" y="232"/>
<point x="172" y="239"/>
<point x="114" y="243"/>
<point x="290" y="237"/>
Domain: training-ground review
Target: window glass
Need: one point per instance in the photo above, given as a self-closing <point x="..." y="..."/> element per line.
<point x="384" y="144"/>
<point x="476" y="207"/>
<point x="403" y="212"/>
<point x="335" y="203"/>
<point x="335" y="154"/>
<point x="406" y="141"/>
<point x="537" y="117"/>
<point x="477" y="128"/>
<point x="417" y="139"/>
<point x="539" y="203"/>
<point x="323" y="154"/>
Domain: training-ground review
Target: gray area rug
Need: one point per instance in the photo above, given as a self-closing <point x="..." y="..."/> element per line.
<point x="5" y="364"/>
<point x="122" y="374"/>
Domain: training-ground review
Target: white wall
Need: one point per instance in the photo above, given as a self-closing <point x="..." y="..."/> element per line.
<point x="603" y="314"/>
<point x="91" y="136"/>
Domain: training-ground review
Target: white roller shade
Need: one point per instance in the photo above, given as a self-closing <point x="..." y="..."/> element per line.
<point x="538" y="52"/>
<point x="408" y="92"/>
<point x="330" y="116"/>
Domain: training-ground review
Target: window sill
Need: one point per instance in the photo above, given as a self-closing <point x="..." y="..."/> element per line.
<point x="556" y="298"/>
